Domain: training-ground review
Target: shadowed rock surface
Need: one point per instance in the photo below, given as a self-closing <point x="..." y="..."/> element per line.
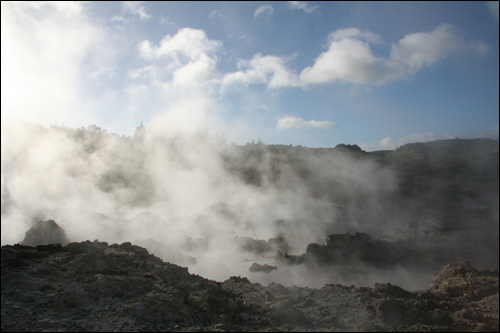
<point x="93" y="286"/>
<point x="261" y="268"/>
<point x="44" y="233"/>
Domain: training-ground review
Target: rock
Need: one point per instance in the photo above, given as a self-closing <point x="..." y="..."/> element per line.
<point x="259" y="246"/>
<point x="262" y="268"/>
<point x="392" y="290"/>
<point x="44" y="233"/>
<point x="93" y="286"/>
<point x="462" y="280"/>
<point x="346" y="248"/>
<point x="289" y="259"/>
<point x="83" y="247"/>
<point x="167" y="253"/>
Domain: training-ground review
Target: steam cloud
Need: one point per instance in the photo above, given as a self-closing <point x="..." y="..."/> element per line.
<point x="189" y="197"/>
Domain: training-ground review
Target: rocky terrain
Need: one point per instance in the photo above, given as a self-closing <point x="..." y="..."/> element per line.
<point x="94" y="286"/>
<point x="263" y="224"/>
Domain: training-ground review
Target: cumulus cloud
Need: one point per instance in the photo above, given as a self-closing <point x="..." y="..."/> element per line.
<point x="302" y="5"/>
<point x="264" y="11"/>
<point x="174" y="86"/>
<point x="493" y="8"/>
<point x="288" y="122"/>
<point x="192" y="43"/>
<point x="187" y="58"/>
<point x="136" y="8"/>
<point x="177" y="85"/>
<point x="350" y="59"/>
<point x="269" y="70"/>
<point x="427" y="48"/>
<point x="355" y="33"/>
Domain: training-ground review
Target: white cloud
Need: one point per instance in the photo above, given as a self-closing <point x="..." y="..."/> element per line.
<point x="355" y="33"/>
<point x="186" y="59"/>
<point x="176" y="85"/>
<point x="264" y="11"/>
<point x="493" y="8"/>
<point x="118" y="18"/>
<point x="166" y="21"/>
<point x="195" y="73"/>
<point x="288" y="122"/>
<point x="135" y="8"/>
<point x="426" y="48"/>
<point x="215" y="14"/>
<point x="302" y="5"/>
<point x="187" y="42"/>
<point x="63" y="7"/>
<point x="350" y="60"/>
<point x="269" y="70"/>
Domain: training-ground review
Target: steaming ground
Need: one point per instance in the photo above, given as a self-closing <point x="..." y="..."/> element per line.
<point x="190" y="198"/>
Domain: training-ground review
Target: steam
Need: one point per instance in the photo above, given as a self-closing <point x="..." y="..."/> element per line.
<point x="189" y="191"/>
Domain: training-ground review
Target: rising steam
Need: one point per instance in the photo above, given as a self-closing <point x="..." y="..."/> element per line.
<point x="192" y="198"/>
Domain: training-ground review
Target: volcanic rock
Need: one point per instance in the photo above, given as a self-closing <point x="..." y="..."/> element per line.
<point x="462" y="280"/>
<point x="265" y="268"/>
<point x="44" y="233"/>
<point x="93" y="286"/>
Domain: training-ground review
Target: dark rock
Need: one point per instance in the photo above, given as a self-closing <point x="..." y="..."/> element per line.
<point x="261" y="268"/>
<point x="353" y="247"/>
<point x="462" y="280"/>
<point x="44" y="233"/>
<point x="84" y="247"/>
<point x="93" y="286"/>
<point x="259" y="246"/>
<point x="289" y="259"/>
<point x="166" y="252"/>
<point x="237" y="279"/>
<point x="392" y="290"/>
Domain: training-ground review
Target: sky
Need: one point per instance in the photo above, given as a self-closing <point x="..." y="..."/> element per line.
<point x="317" y="74"/>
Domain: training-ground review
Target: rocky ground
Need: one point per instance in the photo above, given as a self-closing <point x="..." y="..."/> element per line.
<point x="93" y="286"/>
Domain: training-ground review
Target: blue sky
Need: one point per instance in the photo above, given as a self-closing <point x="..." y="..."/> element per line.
<point x="304" y="73"/>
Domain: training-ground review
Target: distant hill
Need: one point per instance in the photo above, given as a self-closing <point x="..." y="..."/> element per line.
<point x="438" y="173"/>
<point x="458" y="171"/>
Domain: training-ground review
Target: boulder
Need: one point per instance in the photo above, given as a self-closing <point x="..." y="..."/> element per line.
<point x="45" y="233"/>
<point x="261" y="268"/>
<point x="462" y="280"/>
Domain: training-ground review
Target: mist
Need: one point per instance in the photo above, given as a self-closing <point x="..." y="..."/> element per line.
<point x="193" y="199"/>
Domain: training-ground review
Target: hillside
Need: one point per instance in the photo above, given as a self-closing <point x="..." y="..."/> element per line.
<point x="445" y="176"/>
<point x="447" y="172"/>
